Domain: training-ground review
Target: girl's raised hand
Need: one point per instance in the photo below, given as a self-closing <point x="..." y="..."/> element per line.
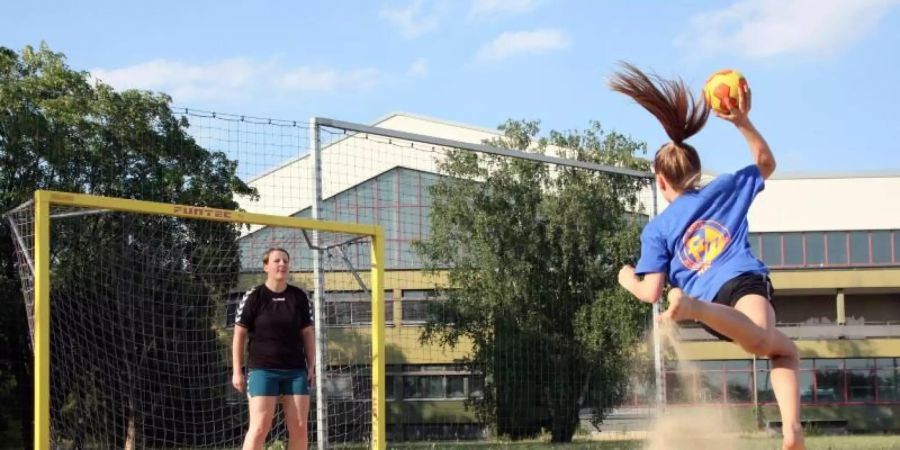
<point x="738" y="114"/>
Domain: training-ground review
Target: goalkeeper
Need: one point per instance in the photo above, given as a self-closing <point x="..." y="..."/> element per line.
<point x="276" y="318"/>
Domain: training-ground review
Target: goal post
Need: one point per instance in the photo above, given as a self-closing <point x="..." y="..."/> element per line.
<point x="46" y="201"/>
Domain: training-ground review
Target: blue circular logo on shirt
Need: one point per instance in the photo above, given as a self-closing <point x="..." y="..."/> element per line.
<point x="702" y="243"/>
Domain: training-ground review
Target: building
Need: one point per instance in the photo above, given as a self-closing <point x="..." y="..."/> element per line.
<point x="832" y="241"/>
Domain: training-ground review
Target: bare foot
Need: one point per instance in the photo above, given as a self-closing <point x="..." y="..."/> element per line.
<point x="681" y="306"/>
<point x="793" y="439"/>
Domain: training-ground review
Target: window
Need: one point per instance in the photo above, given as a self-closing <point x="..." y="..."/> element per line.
<point x="755" y="245"/>
<point x="764" y="393"/>
<point x="676" y="391"/>
<point x="355" y="308"/>
<point x="387" y="218"/>
<point x="729" y="381"/>
<point x="456" y="386"/>
<point x="415" y="306"/>
<point x="362" y="386"/>
<point x="793" y="249"/>
<point x="888" y="380"/>
<point x="365" y="195"/>
<point x="881" y="247"/>
<point x="710" y="382"/>
<point x="896" y="237"/>
<point x="409" y="259"/>
<point x="389" y="381"/>
<point x="476" y="386"/>
<point x="428" y="180"/>
<point x="415" y="311"/>
<point x="409" y="187"/>
<point x="345" y="204"/>
<point x="837" y="247"/>
<point x="338" y="313"/>
<point x="807" y="387"/>
<point x="771" y="249"/>
<point x="738" y="381"/>
<point x="859" y="247"/>
<point x="387" y="183"/>
<point x="424" y="386"/>
<point x="831" y="248"/>
<point x="821" y="381"/>
<point x="418" y="305"/>
<point x="851" y="380"/>
<point x="815" y="249"/>
<point x="860" y="379"/>
<point x="440" y="382"/>
<point x="410" y="222"/>
<point x="328" y="208"/>
<point x="366" y="214"/>
<point x="829" y="381"/>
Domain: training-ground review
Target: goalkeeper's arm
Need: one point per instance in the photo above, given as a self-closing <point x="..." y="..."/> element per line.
<point x="237" y="358"/>
<point x="309" y="346"/>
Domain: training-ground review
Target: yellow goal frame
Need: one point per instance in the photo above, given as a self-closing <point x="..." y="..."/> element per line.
<point x="43" y="200"/>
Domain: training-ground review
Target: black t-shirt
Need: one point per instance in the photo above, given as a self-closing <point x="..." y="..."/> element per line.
<point x="274" y="321"/>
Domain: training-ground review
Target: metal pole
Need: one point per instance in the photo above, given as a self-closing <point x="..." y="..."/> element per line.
<point x="379" y="404"/>
<point x="756" y="392"/>
<point x="41" y="321"/>
<point x="657" y="339"/>
<point x="318" y="287"/>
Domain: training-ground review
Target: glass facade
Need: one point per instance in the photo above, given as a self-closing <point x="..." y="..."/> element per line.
<point x="823" y="381"/>
<point x="355" y="308"/>
<point x="822" y="249"/>
<point x="399" y="201"/>
<point x="433" y="382"/>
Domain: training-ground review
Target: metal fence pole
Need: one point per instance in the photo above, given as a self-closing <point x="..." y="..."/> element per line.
<point x="318" y="286"/>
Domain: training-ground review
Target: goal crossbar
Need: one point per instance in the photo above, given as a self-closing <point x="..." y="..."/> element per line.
<point x="43" y="200"/>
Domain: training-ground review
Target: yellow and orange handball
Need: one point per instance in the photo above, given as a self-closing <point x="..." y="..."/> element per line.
<point x="721" y="85"/>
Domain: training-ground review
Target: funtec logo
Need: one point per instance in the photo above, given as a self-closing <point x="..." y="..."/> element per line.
<point x="702" y="243"/>
<point x="199" y="211"/>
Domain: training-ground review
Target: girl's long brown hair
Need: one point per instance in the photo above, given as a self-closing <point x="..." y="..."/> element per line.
<point x="673" y="104"/>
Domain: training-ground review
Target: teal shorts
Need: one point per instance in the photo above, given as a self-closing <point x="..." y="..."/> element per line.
<point x="276" y="382"/>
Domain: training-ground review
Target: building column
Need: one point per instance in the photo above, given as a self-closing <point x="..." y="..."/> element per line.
<point x="841" y="308"/>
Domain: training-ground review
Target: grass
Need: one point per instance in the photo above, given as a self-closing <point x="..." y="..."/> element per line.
<point x="863" y="442"/>
<point x="853" y="442"/>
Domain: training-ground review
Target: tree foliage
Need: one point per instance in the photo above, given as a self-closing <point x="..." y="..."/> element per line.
<point x="532" y="252"/>
<point x="60" y="129"/>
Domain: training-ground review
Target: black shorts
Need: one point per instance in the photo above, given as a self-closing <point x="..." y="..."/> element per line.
<point x="739" y="286"/>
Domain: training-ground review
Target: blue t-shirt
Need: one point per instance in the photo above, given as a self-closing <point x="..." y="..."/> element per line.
<point x="700" y="240"/>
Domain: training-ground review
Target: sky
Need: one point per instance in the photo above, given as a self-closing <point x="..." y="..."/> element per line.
<point x="823" y="73"/>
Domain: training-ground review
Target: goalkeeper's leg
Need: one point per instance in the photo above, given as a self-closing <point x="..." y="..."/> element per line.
<point x="262" y="411"/>
<point x="296" y="415"/>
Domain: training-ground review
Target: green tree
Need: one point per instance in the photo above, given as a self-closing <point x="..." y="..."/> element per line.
<point x="62" y="130"/>
<point x="532" y="253"/>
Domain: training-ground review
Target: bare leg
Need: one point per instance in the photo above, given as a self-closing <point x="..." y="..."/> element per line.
<point x="262" y="411"/>
<point x="296" y="414"/>
<point x="751" y="324"/>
